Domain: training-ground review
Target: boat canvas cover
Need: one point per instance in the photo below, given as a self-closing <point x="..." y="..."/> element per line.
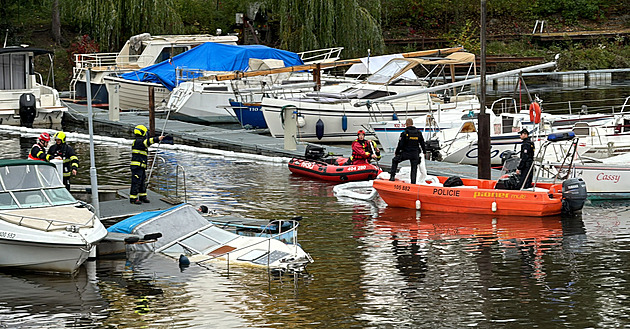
<point x="173" y="223"/>
<point x="210" y="56"/>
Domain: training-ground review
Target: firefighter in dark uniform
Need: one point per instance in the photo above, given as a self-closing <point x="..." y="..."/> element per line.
<point x="38" y="151"/>
<point x="62" y="151"/>
<point x="139" y="155"/>
<point x="524" y="168"/>
<point x="409" y="145"/>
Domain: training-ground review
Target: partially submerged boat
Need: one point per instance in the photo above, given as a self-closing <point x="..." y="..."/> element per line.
<point x="42" y="226"/>
<point x="183" y="231"/>
<point x="335" y="169"/>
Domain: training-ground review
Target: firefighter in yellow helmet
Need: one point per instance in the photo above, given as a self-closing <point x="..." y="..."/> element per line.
<point x="139" y="155"/>
<point x="62" y="151"/>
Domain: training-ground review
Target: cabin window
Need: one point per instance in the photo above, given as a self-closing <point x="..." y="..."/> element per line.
<point x="13" y="71"/>
<point x="7" y="201"/>
<point x="170" y="52"/>
<point x="29" y="199"/>
<point x="59" y="196"/>
<point x="50" y="176"/>
<point x="378" y="94"/>
<point x="19" y="178"/>
<point x="199" y="242"/>
<point x="219" y="235"/>
<point x="175" y="249"/>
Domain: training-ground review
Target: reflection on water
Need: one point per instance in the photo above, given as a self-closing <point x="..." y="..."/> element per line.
<point x="374" y="266"/>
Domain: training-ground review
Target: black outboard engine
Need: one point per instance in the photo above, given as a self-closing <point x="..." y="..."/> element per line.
<point x="573" y="195"/>
<point x="433" y="149"/>
<point x="27" y="110"/>
<point x="314" y="152"/>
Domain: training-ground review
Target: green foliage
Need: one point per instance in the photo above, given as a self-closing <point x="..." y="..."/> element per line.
<point x="603" y="56"/>
<point x="312" y="24"/>
<point x="570" y="10"/>
<point x="112" y="22"/>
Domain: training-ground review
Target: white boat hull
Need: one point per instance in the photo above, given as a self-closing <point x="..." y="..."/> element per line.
<point x="42" y="257"/>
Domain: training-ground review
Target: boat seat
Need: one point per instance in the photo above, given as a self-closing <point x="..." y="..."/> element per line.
<point x="221" y="251"/>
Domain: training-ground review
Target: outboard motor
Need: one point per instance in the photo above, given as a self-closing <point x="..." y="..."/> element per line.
<point x="27" y="110"/>
<point x="314" y="152"/>
<point x="433" y="148"/>
<point x="573" y="195"/>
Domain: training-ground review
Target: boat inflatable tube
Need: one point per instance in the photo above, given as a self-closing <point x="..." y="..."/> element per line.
<point x="564" y="136"/>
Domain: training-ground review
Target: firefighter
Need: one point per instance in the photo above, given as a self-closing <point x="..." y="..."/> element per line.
<point x="409" y="146"/>
<point x="38" y="151"/>
<point x="139" y="155"/>
<point x="364" y="150"/>
<point x="524" y="168"/>
<point x="62" y="151"/>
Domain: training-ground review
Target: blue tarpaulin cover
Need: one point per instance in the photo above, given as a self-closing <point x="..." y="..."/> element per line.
<point x="210" y="56"/>
<point x="127" y="225"/>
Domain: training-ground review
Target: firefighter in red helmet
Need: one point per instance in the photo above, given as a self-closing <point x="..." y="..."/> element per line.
<point x="364" y="150"/>
<point x="38" y="151"/>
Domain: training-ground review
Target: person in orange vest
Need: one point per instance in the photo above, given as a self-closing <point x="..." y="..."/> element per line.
<point x="38" y="151"/>
<point x="364" y="150"/>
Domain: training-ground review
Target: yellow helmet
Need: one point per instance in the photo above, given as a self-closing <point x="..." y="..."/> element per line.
<point x="61" y="136"/>
<point x="140" y="130"/>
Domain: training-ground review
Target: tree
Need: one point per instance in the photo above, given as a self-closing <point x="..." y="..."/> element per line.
<point x="112" y="22"/>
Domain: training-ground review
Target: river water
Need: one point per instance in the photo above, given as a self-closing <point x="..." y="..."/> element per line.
<point x="374" y="266"/>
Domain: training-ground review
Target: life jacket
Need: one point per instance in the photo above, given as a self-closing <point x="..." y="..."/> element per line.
<point x="36" y="153"/>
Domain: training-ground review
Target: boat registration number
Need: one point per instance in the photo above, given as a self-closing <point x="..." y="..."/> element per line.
<point x="402" y="187"/>
<point x="7" y="235"/>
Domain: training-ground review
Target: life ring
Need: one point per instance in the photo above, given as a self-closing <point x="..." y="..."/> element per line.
<point x="534" y="112"/>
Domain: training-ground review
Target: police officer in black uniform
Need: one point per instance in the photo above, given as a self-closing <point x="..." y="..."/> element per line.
<point x="524" y="168"/>
<point x="408" y="148"/>
<point x="139" y="155"/>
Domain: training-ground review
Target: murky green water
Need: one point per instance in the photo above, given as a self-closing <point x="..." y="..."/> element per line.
<point x="375" y="267"/>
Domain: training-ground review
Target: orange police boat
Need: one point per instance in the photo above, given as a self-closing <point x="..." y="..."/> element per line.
<point x="481" y="196"/>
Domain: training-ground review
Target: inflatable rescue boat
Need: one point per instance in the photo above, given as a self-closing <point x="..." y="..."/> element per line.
<point x="480" y="196"/>
<point x="333" y="169"/>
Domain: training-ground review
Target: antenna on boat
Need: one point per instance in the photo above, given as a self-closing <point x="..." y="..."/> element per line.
<point x="6" y="37"/>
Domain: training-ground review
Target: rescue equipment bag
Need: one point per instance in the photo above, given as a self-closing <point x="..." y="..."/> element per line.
<point x="453" y="181"/>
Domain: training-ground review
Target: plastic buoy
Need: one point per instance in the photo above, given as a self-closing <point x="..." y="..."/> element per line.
<point x="344" y="122"/>
<point x="418" y="204"/>
<point x="494" y="206"/>
<point x="319" y="129"/>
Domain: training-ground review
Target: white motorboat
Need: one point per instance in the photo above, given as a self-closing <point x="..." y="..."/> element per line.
<point x="182" y="231"/>
<point x="42" y="227"/>
<point x="138" y="52"/>
<point x="24" y="99"/>
<point x="335" y="116"/>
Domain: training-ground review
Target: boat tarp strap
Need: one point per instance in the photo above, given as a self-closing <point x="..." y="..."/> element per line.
<point x="210" y="56"/>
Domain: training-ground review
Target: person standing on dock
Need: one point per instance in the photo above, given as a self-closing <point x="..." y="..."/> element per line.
<point x="410" y="143"/>
<point x="139" y="155"/>
<point x="62" y="151"/>
<point x="524" y="168"/>
<point x="363" y="150"/>
<point x="38" y="151"/>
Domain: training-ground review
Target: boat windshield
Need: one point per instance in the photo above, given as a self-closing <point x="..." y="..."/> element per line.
<point x="393" y="68"/>
<point x="28" y="186"/>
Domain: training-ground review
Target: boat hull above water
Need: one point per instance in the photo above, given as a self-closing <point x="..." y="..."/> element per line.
<point x="477" y="196"/>
<point x="43" y="257"/>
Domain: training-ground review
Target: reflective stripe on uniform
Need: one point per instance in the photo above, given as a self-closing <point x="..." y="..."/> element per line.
<point x="133" y="196"/>
<point x="139" y="164"/>
<point x="139" y="152"/>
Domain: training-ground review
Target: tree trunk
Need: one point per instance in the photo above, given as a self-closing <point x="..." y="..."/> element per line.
<point x="56" y="22"/>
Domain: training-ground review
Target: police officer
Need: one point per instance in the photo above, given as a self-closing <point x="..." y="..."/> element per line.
<point x="363" y="150"/>
<point x="61" y="150"/>
<point x="139" y="155"/>
<point x="38" y="151"/>
<point x="409" y="145"/>
<point x="524" y="168"/>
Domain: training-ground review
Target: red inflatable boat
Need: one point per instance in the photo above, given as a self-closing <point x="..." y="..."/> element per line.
<point x="333" y="169"/>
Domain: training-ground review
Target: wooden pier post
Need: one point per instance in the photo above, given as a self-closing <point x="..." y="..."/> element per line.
<point x="151" y="111"/>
